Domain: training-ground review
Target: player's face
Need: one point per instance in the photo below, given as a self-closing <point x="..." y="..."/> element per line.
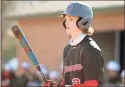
<point x="71" y="27"/>
<point x="112" y="74"/>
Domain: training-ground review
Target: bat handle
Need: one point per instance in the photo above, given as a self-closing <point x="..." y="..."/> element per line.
<point x="42" y="74"/>
<point x="43" y="77"/>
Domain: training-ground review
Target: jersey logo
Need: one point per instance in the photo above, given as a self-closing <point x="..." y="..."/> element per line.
<point x="69" y="8"/>
<point x="73" y="68"/>
<point x="75" y="81"/>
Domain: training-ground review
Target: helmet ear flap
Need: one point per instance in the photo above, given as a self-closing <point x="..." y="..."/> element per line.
<point x="64" y="25"/>
<point x="84" y="23"/>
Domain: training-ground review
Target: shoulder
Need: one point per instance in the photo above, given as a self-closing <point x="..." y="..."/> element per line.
<point x="66" y="47"/>
<point x="91" y="44"/>
<point x="92" y="52"/>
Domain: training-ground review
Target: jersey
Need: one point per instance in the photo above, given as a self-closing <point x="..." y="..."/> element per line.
<point x="83" y="62"/>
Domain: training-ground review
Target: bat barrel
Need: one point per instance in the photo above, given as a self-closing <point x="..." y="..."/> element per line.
<point x="20" y="36"/>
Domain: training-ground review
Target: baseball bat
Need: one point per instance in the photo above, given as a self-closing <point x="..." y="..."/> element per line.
<point x="20" y="36"/>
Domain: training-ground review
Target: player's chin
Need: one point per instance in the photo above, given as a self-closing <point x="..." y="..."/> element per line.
<point x="69" y="34"/>
<point x="68" y="31"/>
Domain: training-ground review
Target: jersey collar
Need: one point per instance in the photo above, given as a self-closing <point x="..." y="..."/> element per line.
<point x="77" y="41"/>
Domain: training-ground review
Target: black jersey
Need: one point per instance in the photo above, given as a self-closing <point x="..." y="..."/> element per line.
<point x="82" y="62"/>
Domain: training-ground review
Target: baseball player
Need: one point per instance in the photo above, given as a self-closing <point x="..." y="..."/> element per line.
<point x="113" y="68"/>
<point x="83" y="59"/>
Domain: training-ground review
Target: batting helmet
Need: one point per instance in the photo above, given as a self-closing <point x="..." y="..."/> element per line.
<point x="25" y="65"/>
<point x="113" y="66"/>
<point x="82" y="10"/>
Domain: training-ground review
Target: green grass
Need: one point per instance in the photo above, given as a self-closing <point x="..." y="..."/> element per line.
<point x="10" y="49"/>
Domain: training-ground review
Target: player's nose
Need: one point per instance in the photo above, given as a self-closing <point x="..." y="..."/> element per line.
<point x="67" y="23"/>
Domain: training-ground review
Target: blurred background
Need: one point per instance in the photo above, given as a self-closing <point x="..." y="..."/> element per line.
<point x="40" y="22"/>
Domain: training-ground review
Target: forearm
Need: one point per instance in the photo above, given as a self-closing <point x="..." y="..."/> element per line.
<point x="61" y="83"/>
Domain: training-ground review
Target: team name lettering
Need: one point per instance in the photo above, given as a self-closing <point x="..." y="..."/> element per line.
<point x="72" y="68"/>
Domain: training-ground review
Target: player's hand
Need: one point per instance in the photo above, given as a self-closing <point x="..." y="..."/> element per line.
<point x="50" y="83"/>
